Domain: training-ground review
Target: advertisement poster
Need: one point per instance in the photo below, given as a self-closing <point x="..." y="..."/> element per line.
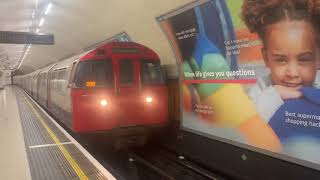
<point x="249" y="73"/>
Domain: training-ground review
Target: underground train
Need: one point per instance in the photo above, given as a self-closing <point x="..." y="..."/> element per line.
<point x="118" y="85"/>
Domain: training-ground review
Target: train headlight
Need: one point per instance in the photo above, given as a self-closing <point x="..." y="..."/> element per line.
<point x="149" y="99"/>
<point x="103" y="102"/>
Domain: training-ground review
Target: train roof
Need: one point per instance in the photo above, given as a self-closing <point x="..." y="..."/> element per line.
<point x="120" y="48"/>
<point x="94" y="53"/>
<point x="65" y="63"/>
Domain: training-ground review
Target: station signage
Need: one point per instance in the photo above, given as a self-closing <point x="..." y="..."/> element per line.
<point x="10" y="37"/>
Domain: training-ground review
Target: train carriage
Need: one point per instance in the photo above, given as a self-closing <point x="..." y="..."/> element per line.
<point x="59" y="99"/>
<point x="116" y="86"/>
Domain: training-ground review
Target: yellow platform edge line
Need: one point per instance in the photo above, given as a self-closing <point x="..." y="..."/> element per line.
<point x="61" y="147"/>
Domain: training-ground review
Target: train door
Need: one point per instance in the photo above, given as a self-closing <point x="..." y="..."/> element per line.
<point x="36" y="85"/>
<point x="30" y="85"/>
<point x="39" y="82"/>
<point x="127" y="89"/>
<point x="92" y="92"/>
<point x="49" y="86"/>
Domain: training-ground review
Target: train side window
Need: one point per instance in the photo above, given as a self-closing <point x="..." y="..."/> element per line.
<point x="62" y="77"/>
<point x="55" y="77"/>
<point x="58" y="81"/>
<point x="40" y="80"/>
<point x="51" y="80"/>
<point x="97" y="71"/>
<point x="126" y="72"/>
<point x="44" y="82"/>
<point x="62" y="74"/>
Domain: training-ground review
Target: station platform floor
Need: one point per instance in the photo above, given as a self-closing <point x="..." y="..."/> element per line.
<point x="34" y="146"/>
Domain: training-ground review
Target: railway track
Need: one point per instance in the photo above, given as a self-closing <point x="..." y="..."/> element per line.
<point x="157" y="163"/>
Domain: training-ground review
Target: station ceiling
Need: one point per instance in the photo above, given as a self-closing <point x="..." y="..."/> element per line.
<point x="78" y="25"/>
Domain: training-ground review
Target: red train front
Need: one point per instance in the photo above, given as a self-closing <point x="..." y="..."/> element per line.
<point x="118" y="85"/>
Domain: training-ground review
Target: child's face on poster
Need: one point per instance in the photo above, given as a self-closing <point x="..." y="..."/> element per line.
<point x="290" y="52"/>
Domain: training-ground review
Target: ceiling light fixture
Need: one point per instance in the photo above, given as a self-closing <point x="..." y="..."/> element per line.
<point x="48" y="9"/>
<point x="41" y="22"/>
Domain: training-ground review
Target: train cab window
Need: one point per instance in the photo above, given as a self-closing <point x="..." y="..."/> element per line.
<point x="71" y="76"/>
<point x="97" y="71"/>
<point x="126" y="72"/>
<point x="150" y="72"/>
